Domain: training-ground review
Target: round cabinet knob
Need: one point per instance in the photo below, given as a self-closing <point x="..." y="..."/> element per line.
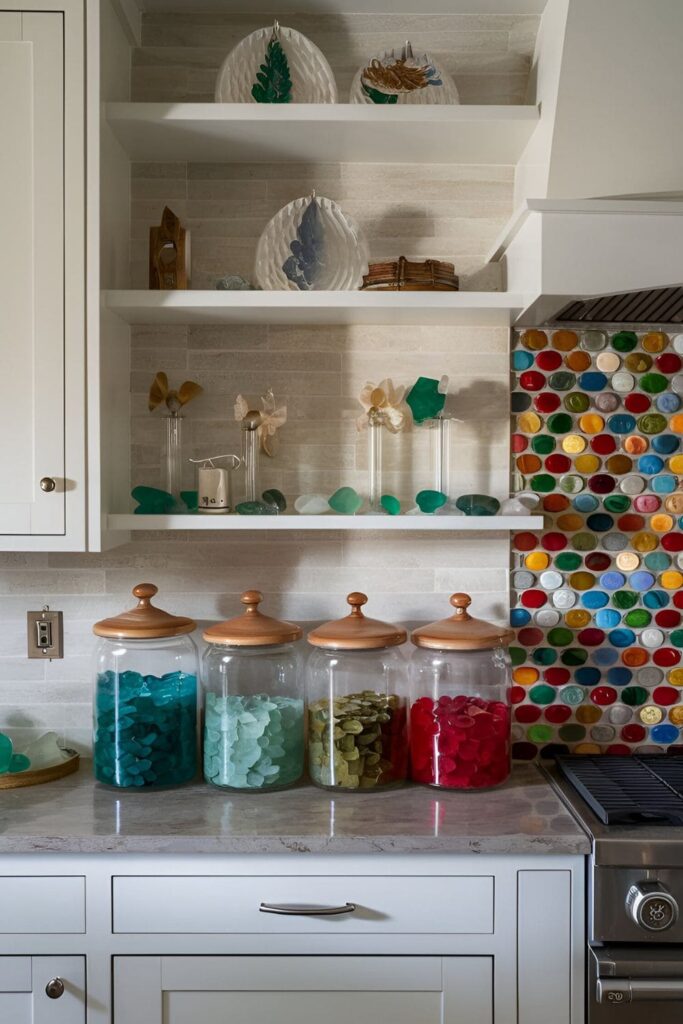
<point x="47" y="484"/>
<point x="54" y="988"/>
<point x="652" y="906"/>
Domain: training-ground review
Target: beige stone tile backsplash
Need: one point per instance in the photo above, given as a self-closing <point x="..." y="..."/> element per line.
<point x="441" y="211"/>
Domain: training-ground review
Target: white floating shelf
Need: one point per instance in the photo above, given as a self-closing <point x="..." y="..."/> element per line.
<point x="450" y="524"/>
<point x="496" y="309"/>
<point x="323" y="132"/>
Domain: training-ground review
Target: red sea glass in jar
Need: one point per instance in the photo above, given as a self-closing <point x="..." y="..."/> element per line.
<point x="460" y="702"/>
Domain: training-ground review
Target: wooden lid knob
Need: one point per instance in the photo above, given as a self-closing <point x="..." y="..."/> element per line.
<point x="357" y="600"/>
<point x="144" y="592"/>
<point x="252" y="599"/>
<point x="461" y="603"/>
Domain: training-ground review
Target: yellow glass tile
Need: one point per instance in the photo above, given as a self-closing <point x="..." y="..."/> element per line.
<point x="676" y="423"/>
<point x="587" y="748"/>
<point x="578" y="361"/>
<point x="671" y="579"/>
<point x="587" y="463"/>
<point x="537" y="561"/>
<point x="534" y="340"/>
<point x="634" y="444"/>
<point x="674" y="503"/>
<point x="675" y="677"/>
<point x="644" y="542"/>
<point x="572" y="444"/>
<point x="529" y="423"/>
<point x="650" y="715"/>
<point x="569" y="522"/>
<point x="565" y="341"/>
<point x="581" y="580"/>
<point x="655" y="341"/>
<point x="676" y="715"/>
<point x="636" y="362"/>
<point x="577" y="618"/>
<point x="676" y="464"/>
<point x="528" y="464"/>
<point x="588" y="714"/>
<point x="525" y="676"/>
<point x="661" y="523"/>
<point x="591" y="423"/>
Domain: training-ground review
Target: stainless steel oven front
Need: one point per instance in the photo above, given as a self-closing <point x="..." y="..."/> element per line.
<point x="635" y="984"/>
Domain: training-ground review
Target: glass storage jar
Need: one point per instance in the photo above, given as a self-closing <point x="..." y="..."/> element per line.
<point x="355" y="684"/>
<point x="253" y="710"/>
<point x="145" y="704"/>
<point x="460" y="701"/>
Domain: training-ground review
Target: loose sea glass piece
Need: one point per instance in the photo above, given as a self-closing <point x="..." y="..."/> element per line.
<point x="514" y="507"/>
<point x="275" y="498"/>
<point x="429" y="501"/>
<point x="312" y="505"/>
<point x="345" y="501"/>
<point x="390" y="504"/>
<point x="255" y="508"/>
<point x="152" y="501"/>
<point x="5" y="753"/>
<point x="425" y="399"/>
<point x="19" y="763"/>
<point x="190" y="500"/>
<point x="45" y="751"/>
<point x="478" y="504"/>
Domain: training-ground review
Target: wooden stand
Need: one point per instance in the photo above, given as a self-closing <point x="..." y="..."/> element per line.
<point x="169" y="254"/>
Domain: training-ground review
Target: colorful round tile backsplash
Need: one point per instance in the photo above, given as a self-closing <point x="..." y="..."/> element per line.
<point x="597" y="600"/>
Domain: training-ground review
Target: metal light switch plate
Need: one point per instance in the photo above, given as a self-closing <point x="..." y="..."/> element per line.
<point x="45" y="631"/>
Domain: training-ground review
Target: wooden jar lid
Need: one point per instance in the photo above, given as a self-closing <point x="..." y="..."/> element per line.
<point x="144" y="622"/>
<point x="355" y="632"/>
<point x="252" y="628"/>
<point x="461" y="632"/>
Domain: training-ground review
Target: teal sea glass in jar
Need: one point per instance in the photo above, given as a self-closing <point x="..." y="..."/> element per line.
<point x="145" y="704"/>
<point x="253" y="712"/>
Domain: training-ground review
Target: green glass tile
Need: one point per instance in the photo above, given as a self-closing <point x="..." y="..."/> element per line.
<point x="652" y="423"/>
<point x="676" y="637"/>
<point x="543" y="483"/>
<point x="568" y="561"/>
<point x="543" y="444"/>
<point x="544" y="656"/>
<point x="542" y="694"/>
<point x="634" y="695"/>
<point x="562" y="380"/>
<point x="584" y="541"/>
<point x="517" y="655"/>
<point x="576" y="402"/>
<point x="559" y="423"/>
<point x="572" y="732"/>
<point x="653" y="383"/>
<point x="572" y="695"/>
<point x="638" y="618"/>
<point x="624" y="599"/>
<point x="560" y="636"/>
<point x="574" y="656"/>
<point x="617" y="503"/>
<point x="625" y="341"/>
<point x="540" y="733"/>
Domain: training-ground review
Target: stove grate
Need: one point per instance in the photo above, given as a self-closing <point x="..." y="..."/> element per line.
<point x="643" y="790"/>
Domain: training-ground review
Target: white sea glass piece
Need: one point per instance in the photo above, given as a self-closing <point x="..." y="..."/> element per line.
<point x="311" y="505"/>
<point x="311" y="75"/>
<point x="45" y="752"/>
<point x="513" y="507"/>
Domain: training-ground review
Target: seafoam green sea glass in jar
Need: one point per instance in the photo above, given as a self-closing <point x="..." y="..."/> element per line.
<point x="356" y="692"/>
<point x="253" y="712"/>
<point x="145" y="702"/>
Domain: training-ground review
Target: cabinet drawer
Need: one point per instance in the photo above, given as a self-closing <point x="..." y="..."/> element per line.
<point x="52" y="904"/>
<point x="445" y="904"/>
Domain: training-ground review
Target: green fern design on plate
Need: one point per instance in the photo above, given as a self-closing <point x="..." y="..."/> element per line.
<point x="378" y="97"/>
<point x="273" y="84"/>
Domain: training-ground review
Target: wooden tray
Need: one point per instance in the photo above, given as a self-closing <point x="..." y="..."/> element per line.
<point x="34" y="778"/>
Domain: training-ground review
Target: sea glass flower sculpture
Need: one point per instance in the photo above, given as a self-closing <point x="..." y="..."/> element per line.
<point x="272" y="418"/>
<point x="384" y="404"/>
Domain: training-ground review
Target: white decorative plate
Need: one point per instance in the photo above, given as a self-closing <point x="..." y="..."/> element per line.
<point x="311" y="245"/>
<point x="304" y="76"/>
<point x="400" y="76"/>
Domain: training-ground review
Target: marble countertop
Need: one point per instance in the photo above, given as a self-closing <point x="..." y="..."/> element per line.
<point x="77" y="815"/>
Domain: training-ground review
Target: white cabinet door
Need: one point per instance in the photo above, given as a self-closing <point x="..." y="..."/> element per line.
<point x="23" y="984"/>
<point x="41" y="276"/>
<point x="292" y="989"/>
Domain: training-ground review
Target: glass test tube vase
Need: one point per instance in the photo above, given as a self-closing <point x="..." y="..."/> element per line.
<point x="375" y="432"/>
<point x="250" y="454"/>
<point x="172" y="457"/>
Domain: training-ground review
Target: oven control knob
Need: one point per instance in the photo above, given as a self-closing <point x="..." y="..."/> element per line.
<point x="651" y="906"/>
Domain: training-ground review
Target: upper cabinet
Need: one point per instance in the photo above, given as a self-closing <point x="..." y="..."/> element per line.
<point x="42" y="289"/>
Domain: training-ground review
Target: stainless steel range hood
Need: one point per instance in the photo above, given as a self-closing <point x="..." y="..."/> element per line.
<point x="652" y="305"/>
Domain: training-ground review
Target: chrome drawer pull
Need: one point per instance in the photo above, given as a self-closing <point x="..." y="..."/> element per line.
<point x="304" y="910"/>
<point x="636" y="990"/>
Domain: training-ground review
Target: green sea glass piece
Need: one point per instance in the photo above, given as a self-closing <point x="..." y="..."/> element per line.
<point x="345" y="501"/>
<point x="429" y="501"/>
<point x="5" y="753"/>
<point x="275" y="498"/>
<point x="424" y="399"/>
<point x="390" y="504"/>
<point x="255" y="508"/>
<point x="191" y="499"/>
<point x="477" y="504"/>
<point x="19" y="763"/>
<point x="152" y="501"/>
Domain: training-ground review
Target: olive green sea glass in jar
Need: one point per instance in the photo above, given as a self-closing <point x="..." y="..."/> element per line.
<point x="356" y="692"/>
